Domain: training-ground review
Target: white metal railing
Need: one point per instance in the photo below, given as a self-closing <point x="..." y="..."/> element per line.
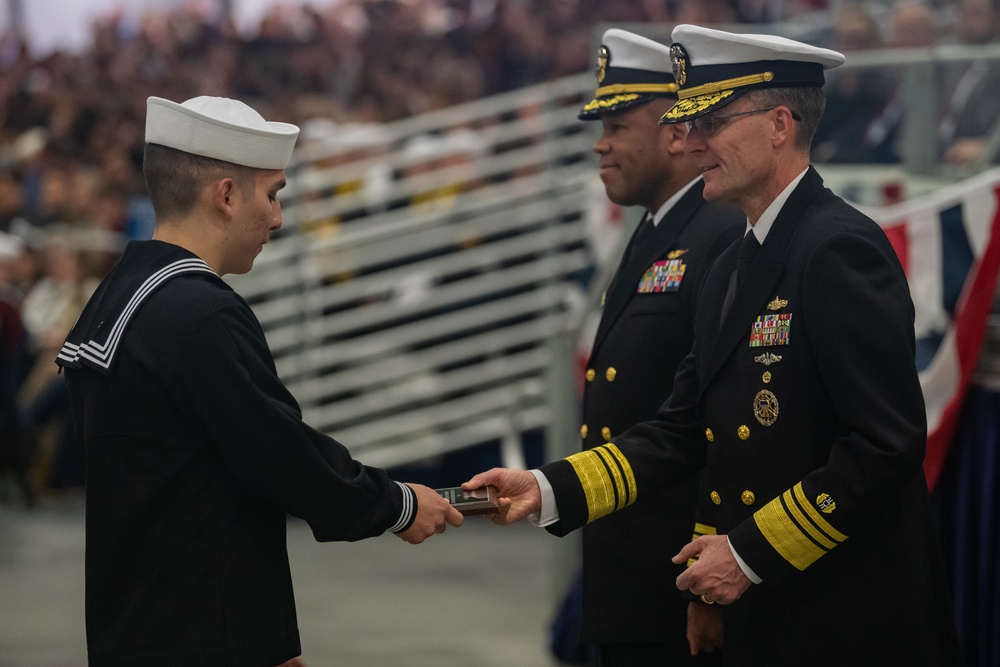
<point x="411" y="296"/>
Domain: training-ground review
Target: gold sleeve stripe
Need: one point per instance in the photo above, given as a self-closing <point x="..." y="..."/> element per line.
<point x="699" y="530"/>
<point x="781" y="531"/>
<point x="815" y="516"/>
<point x="607" y="480"/>
<point x="626" y="472"/>
<point x="702" y="529"/>
<point x="622" y="88"/>
<point x="617" y="479"/>
<point x="598" y="486"/>
<point x="727" y="84"/>
<point x="801" y="519"/>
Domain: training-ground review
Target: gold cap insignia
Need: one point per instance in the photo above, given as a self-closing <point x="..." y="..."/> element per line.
<point x="825" y="503"/>
<point x="601" y="68"/>
<point x="765" y="407"/>
<point x="777" y="304"/>
<point x="678" y="62"/>
<point x="767" y="358"/>
<point x="674" y="254"/>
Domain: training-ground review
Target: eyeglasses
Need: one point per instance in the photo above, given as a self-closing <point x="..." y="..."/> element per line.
<point x="709" y="125"/>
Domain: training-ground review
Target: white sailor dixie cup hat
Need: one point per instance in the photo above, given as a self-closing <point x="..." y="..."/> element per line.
<point x="220" y="128"/>
<point x="631" y="70"/>
<point x="713" y="68"/>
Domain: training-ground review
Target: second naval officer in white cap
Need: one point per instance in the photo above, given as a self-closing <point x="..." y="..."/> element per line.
<point x="632" y="611"/>
<point x="195" y="451"/>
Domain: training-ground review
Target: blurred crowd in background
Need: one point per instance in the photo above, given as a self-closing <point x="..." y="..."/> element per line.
<point x="72" y="125"/>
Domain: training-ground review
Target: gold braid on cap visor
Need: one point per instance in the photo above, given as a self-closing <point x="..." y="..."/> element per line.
<point x="609" y="102"/>
<point x="692" y="100"/>
<point x="625" y="92"/>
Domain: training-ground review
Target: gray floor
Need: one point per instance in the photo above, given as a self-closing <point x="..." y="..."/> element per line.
<point x="477" y="596"/>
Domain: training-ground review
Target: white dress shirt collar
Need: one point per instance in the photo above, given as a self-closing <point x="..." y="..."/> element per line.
<point x="769" y="215"/>
<point x="669" y="204"/>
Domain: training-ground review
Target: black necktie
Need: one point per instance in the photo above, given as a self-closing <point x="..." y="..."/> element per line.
<point x="748" y="249"/>
<point x="641" y="232"/>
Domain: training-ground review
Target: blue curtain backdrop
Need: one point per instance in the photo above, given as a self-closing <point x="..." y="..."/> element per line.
<point x="967" y="508"/>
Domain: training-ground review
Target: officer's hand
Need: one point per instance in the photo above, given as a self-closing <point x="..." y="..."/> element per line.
<point x="434" y="513"/>
<point x="518" y="493"/>
<point x="704" y="627"/>
<point x="715" y="576"/>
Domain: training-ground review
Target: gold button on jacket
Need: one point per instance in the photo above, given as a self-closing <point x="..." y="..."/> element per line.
<point x="642" y="338"/>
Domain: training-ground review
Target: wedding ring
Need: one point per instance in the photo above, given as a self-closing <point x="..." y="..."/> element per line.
<point x="706" y="600"/>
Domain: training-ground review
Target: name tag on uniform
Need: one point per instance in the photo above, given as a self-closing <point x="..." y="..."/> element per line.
<point x="663" y="276"/>
<point x="771" y="330"/>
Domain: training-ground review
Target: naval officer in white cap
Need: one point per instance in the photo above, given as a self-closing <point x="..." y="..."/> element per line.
<point x="195" y="451"/>
<point x="800" y="396"/>
<point x="632" y="611"/>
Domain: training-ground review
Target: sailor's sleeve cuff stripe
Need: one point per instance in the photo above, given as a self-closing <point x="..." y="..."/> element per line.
<point x="795" y="529"/>
<point x="409" y="512"/>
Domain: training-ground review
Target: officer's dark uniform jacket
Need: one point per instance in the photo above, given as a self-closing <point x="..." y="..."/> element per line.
<point x="804" y="404"/>
<point x="646" y="329"/>
<point x="195" y="452"/>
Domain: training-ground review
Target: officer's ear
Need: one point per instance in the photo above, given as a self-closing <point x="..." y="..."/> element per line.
<point x="676" y="133"/>
<point x="784" y="125"/>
